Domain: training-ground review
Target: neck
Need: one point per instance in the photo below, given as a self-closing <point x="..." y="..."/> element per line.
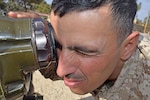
<point x="116" y="72"/>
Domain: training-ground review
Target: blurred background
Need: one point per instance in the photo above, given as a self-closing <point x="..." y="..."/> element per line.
<point x="142" y="19"/>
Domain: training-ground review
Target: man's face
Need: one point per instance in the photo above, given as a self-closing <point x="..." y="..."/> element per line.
<point x="89" y="53"/>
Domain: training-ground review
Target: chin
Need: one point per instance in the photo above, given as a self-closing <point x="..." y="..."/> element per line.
<point x="79" y="92"/>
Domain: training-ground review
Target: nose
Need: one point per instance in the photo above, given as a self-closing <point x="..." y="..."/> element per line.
<point x="67" y="63"/>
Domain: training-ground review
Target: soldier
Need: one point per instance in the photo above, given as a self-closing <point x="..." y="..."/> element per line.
<point x="98" y="51"/>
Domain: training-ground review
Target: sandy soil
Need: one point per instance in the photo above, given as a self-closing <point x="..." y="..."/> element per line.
<point x="55" y="90"/>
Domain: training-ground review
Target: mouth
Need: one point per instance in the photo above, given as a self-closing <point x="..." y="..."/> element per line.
<point x="72" y="83"/>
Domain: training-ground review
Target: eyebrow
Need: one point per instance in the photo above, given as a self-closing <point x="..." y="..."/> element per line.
<point x="78" y="48"/>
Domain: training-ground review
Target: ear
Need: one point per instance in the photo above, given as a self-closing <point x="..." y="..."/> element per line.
<point x="129" y="45"/>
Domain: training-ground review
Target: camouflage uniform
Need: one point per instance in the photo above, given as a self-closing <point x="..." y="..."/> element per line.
<point x="133" y="82"/>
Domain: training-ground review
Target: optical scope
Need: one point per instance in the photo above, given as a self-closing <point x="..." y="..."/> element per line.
<point x="26" y="45"/>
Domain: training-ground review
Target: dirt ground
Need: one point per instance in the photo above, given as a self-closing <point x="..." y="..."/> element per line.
<point x="55" y="90"/>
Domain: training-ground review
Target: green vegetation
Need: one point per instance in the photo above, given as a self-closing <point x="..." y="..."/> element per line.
<point x="25" y="5"/>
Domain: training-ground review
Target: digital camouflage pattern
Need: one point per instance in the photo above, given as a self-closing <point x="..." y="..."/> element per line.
<point x="133" y="82"/>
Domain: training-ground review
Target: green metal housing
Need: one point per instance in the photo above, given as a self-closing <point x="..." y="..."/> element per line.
<point x="16" y="56"/>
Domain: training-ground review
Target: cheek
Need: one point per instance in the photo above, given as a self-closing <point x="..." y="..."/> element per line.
<point x="97" y="64"/>
<point x="97" y="70"/>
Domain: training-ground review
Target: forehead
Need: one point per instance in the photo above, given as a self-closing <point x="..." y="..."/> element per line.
<point x="90" y="23"/>
<point x="97" y="17"/>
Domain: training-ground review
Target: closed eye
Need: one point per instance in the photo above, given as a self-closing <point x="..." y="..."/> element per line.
<point x="85" y="52"/>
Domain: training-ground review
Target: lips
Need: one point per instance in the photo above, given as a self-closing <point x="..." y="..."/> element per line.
<point x="72" y="83"/>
